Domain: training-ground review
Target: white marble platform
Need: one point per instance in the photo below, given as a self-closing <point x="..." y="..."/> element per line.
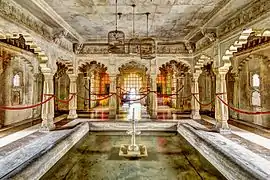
<point x="30" y="157"/>
<point x="252" y="137"/>
<point x="231" y="159"/>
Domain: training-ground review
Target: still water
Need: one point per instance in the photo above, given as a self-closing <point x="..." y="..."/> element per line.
<point x="170" y="157"/>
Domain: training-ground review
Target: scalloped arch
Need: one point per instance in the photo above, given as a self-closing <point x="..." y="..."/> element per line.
<point x="176" y="60"/>
<point x="243" y="39"/>
<point x="41" y="55"/>
<point x="203" y="60"/>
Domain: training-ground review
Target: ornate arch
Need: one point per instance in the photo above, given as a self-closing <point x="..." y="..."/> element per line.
<point x="173" y="65"/>
<point x="180" y="60"/>
<point x="242" y="40"/>
<point x="68" y="64"/>
<point x="41" y="55"/>
<point x="132" y="66"/>
<point x="93" y="65"/>
<point x="202" y="60"/>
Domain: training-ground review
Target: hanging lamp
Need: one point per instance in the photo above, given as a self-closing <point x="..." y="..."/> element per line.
<point x="116" y="38"/>
<point x="134" y="44"/>
<point x="148" y="45"/>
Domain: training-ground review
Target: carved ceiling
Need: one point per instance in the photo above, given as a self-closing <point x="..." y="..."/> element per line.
<point x="91" y="20"/>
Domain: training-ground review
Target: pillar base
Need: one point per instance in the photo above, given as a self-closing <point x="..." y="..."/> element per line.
<point x="72" y="116"/>
<point x="224" y="131"/>
<point x="223" y="127"/>
<point x="112" y="114"/>
<point x="112" y="117"/>
<point x="153" y="115"/>
<point x="47" y="125"/>
<point x="196" y="116"/>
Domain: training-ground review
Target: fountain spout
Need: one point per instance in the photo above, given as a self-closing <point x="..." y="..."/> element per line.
<point x="133" y="150"/>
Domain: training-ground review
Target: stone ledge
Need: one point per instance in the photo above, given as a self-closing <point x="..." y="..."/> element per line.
<point x="231" y="159"/>
<point x="36" y="158"/>
<point x="124" y="126"/>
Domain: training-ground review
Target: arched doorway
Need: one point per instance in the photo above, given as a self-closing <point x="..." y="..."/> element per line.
<point x="133" y="84"/>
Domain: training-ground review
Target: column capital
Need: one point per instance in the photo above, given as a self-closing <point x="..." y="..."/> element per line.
<point x="48" y="76"/>
<point x="221" y="70"/>
<point x="153" y="76"/>
<point x="113" y="77"/>
<point x="72" y="77"/>
<point x="195" y="76"/>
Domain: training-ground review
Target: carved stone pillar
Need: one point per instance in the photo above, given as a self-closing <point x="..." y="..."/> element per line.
<point x="5" y="86"/>
<point x="153" y="97"/>
<point x="118" y="91"/>
<point x="195" y="105"/>
<point x="112" y="100"/>
<point x="174" y="82"/>
<point x="148" y="100"/>
<point x="178" y="85"/>
<point x="47" y="109"/>
<point x="35" y="96"/>
<point x="93" y="89"/>
<point x="221" y="110"/>
<point x="236" y="95"/>
<point x="182" y="84"/>
<point x="87" y="90"/>
<point x="72" y="91"/>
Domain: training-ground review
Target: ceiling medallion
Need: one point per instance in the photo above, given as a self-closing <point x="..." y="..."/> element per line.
<point x="134" y="44"/>
<point x="116" y="38"/>
<point x="148" y="45"/>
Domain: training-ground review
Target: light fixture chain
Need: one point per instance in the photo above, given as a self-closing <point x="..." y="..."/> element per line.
<point x="116" y="15"/>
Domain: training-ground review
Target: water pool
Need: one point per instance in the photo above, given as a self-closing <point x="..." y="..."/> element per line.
<point x="170" y="157"/>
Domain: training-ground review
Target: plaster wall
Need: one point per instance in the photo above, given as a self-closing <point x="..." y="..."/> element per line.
<point x="18" y="66"/>
<point x="254" y="63"/>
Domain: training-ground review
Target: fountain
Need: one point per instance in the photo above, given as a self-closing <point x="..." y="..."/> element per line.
<point x="133" y="150"/>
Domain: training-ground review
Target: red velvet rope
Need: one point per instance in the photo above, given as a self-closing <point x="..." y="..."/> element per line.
<point x="242" y="111"/>
<point x="136" y="99"/>
<point x="65" y="101"/>
<point x="186" y="97"/>
<point x="28" y="107"/>
<point x="98" y="99"/>
<point x="207" y="104"/>
<point x="97" y="94"/>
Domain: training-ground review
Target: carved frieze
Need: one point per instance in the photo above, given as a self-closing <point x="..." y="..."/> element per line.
<point x="95" y="48"/>
<point x="102" y="48"/>
<point x="10" y="10"/>
<point x="245" y="16"/>
<point x="17" y="42"/>
<point x="59" y="38"/>
<point x="202" y="43"/>
<point x="171" y="48"/>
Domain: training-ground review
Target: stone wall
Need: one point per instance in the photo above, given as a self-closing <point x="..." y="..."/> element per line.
<point x="17" y="89"/>
<point x="207" y="89"/>
<point x="245" y="67"/>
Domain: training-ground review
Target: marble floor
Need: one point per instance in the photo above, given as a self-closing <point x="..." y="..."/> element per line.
<point x="96" y="157"/>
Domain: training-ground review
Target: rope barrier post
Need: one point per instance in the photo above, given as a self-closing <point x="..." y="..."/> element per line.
<point x="47" y="109"/>
<point x="221" y="110"/>
<point x="73" y="102"/>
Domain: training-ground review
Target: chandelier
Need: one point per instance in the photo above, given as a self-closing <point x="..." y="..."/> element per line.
<point x="148" y="45"/>
<point x="116" y="38"/>
<point x="134" y="44"/>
